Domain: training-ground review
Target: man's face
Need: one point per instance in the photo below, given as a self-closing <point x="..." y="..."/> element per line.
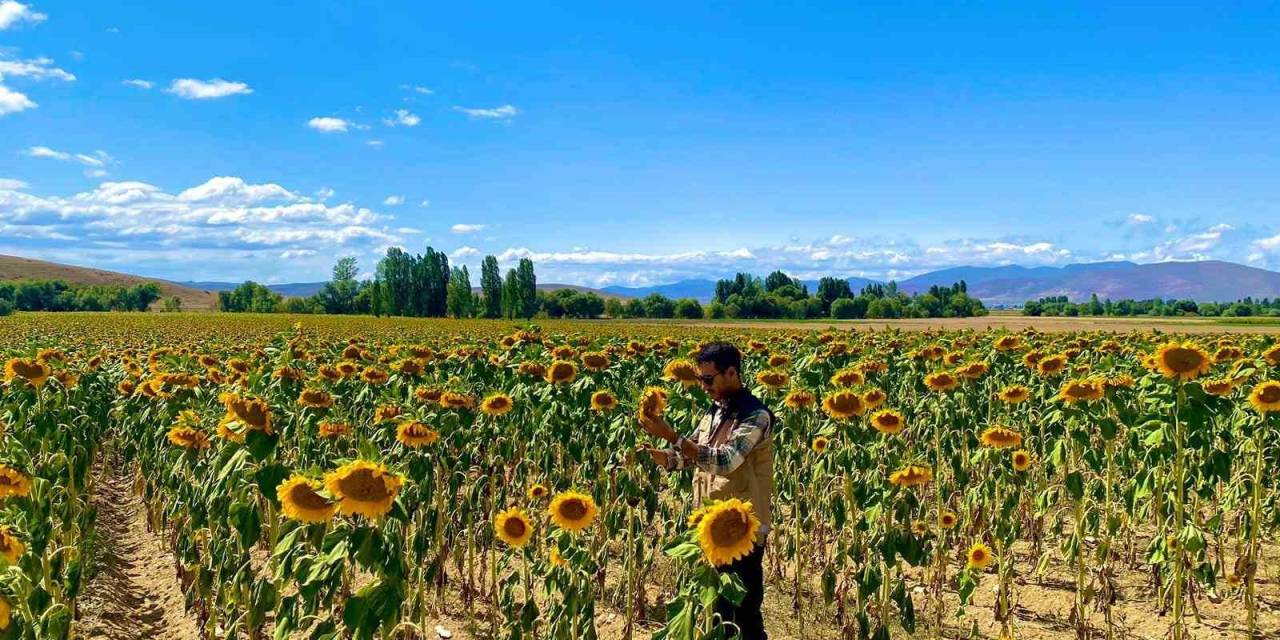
<point x="717" y="384"/>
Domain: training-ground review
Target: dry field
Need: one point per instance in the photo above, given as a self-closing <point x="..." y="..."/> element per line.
<point x="216" y="476"/>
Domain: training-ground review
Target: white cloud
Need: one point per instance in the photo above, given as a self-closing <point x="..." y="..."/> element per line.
<point x="324" y="193"/>
<point x="505" y="112"/>
<point x="141" y="84"/>
<point x="98" y="158"/>
<point x="34" y="69"/>
<point x="1268" y="244"/>
<point x="426" y="91"/>
<point x="11" y="184"/>
<point x="193" y="89"/>
<point x="376" y="144"/>
<point x="12" y="13"/>
<point x="463" y="252"/>
<point x="468" y="228"/>
<point x="328" y="124"/>
<point x="1140" y="218"/>
<point x="403" y="118"/>
<point x="233" y="190"/>
<point x="426" y="203"/>
<point x="393" y="201"/>
<point x="12" y="101"/>
<point x="95" y="173"/>
<point x="839" y="240"/>
<point x="290" y="254"/>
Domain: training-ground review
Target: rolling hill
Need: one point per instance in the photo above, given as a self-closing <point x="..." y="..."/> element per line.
<point x="1204" y="281"/>
<point x="18" y="268"/>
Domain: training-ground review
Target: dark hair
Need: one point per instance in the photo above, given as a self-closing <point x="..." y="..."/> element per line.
<point x="723" y="355"/>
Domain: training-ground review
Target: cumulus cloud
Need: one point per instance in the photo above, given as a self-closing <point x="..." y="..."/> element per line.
<point x="464" y="252"/>
<point x="11" y="184"/>
<point x="193" y="89"/>
<point x="402" y="118"/>
<point x="1140" y="219"/>
<point x="505" y="112"/>
<point x="393" y="201"/>
<point x="141" y="84"/>
<point x="12" y="13"/>
<point x="324" y="193"/>
<point x="468" y="228"/>
<point x="12" y="101"/>
<point x="37" y="69"/>
<point x="327" y="124"/>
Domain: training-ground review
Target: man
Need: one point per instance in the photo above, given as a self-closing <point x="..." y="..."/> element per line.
<point x="732" y="450"/>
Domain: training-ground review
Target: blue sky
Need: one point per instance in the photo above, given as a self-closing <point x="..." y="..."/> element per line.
<point x="637" y="145"/>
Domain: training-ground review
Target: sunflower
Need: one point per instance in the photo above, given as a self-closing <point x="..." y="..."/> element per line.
<point x="513" y="527"/>
<point x="13" y="482"/>
<point x="30" y="371"/>
<point x="387" y="413"/>
<point x="1080" y="390"/>
<point x="1001" y="438"/>
<point x="455" y="400"/>
<point x="773" y="379"/>
<point x="874" y="398"/>
<point x="843" y="405"/>
<point x="363" y="487"/>
<point x="374" y="375"/>
<point x="187" y="437"/>
<point x="653" y="402"/>
<point x="315" y="399"/>
<point x="1265" y="397"/>
<point x="947" y="519"/>
<point x="1014" y="394"/>
<point x="919" y="527"/>
<point x="728" y="531"/>
<point x="11" y="548"/>
<point x="410" y="368"/>
<point x="603" y="401"/>
<point x="979" y="556"/>
<point x="778" y="361"/>
<point x="698" y="514"/>
<point x="497" y="404"/>
<point x="1122" y="381"/>
<point x="555" y="558"/>
<point x="848" y="377"/>
<point x="1218" y="387"/>
<point x="561" y="372"/>
<point x="595" y="361"/>
<point x="910" y="476"/>
<point x="332" y="430"/>
<point x="1021" y="460"/>
<point x="414" y="434"/>
<point x="1182" y="361"/>
<point x="1007" y="343"/>
<point x="537" y="491"/>
<point x="572" y="511"/>
<point x="888" y="422"/>
<point x="1052" y="365"/>
<point x="941" y="381"/>
<point x="532" y="369"/>
<point x="247" y="413"/>
<point x="683" y="371"/>
<point x="1272" y="355"/>
<point x="300" y="499"/>
<point x="799" y="399"/>
<point x="973" y="370"/>
<point x="820" y="444"/>
<point x="6" y="613"/>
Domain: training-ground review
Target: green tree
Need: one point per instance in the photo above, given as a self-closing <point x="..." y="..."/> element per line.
<point x="459" y="296"/>
<point x="338" y="295"/>
<point x="491" y="287"/>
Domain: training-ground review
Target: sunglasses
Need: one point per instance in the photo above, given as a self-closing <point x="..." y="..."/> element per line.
<point x="706" y="380"/>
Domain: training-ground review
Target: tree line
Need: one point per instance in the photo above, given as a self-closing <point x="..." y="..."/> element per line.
<point x="1061" y="306"/>
<point x="59" y="295"/>
<point x="781" y="296"/>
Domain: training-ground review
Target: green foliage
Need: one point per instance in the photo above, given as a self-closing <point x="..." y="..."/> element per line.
<point x="58" y="295"/>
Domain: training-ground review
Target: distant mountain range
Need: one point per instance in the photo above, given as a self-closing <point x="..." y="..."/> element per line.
<point x="1204" y="281"/>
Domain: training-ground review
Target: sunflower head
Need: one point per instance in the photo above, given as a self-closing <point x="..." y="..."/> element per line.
<point x="799" y="399"/>
<point x="32" y="372"/>
<point x="653" y="402"/>
<point x="773" y="379"/>
<point x="333" y="430"/>
<point x="910" y="476"/>
<point x="537" y="491"/>
<point x="572" y="511"/>
<point x="11" y="548"/>
<point x="1265" y="397"/>
<point x="681" y="370"/>
<point x="848" y="377"/>
<point x="497" y="404"/>
<point x="414" y="434"/>
<point x="728" y="531"/>
<point x="1014" y="393"/>
<point x="1272" y="355"/>
<point x="300" y="499"/>
<point x="315" y="399"/>
<point x="1182" y="361"/>
<point x="1000" y="438"/>
<point x="874" y="398"/>
<point x="561" y="372"/>
<point x="13" y="482"/>
<point x="947" y="519"/>
<point x="1081" y="390"/>
<point x="979" y="556"/>
<point x="595" y="361"/>
<point x="187" y="437"/>
<point x="820" y="444"/>
<point x="1021" y="460"/>
<point x="843" y="405"/>
<point x="888" y="422"/>
<point x="1218" y="386"/>
<point x="603" y="401"/>
<point x="941" y="381"/>
<point x="1052" y="365"/>
<point x="513" y="527"/>
<point x="1007" y="343"/>
<point x="363" y="487"/>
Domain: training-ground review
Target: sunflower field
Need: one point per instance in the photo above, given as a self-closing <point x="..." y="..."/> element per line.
<point x="341" y="477"/>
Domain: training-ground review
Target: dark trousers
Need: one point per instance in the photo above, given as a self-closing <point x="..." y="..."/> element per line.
<point x="747" y="616"/>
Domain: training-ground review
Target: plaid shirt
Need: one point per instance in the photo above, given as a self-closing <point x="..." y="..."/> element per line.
<point x="723" y="458"/>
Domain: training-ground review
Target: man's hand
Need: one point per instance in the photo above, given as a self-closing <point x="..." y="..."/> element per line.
<point x="659" y="456"/>
<point x="656" y="426"/>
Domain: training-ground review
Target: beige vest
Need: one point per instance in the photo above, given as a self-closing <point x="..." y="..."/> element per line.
<point x="752" y="480"/>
